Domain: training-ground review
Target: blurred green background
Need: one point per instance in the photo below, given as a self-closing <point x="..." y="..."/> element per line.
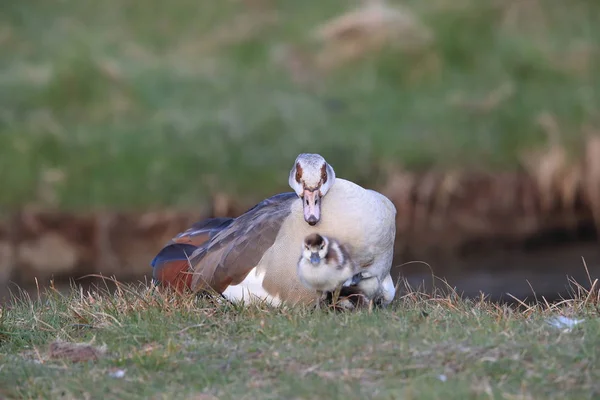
<point x="140" y="104"/>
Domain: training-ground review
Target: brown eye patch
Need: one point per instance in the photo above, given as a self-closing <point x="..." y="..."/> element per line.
<point x="298" y="172"/>
<point x="324" y="173"/>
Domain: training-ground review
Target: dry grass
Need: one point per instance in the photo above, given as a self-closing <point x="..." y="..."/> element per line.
<point x="141" y="342"/>
<point x="367" y="30"/>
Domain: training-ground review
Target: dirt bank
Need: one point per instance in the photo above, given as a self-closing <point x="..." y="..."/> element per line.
<point x="495" y="233"/>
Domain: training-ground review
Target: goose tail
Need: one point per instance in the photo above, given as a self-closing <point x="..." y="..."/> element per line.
<point x="172" y="266"/>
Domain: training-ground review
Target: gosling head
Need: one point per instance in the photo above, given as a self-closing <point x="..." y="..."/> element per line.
<point x="311" y="178"/>
<point x="316" y="248"/>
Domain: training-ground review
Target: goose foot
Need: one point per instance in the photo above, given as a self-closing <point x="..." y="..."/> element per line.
<point x="337" y="301"/>
<point x="321" y="298"/>
<point x="375" y="293"/>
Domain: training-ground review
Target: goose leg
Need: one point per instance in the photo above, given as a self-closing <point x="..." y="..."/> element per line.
<point x="377" y="282"/>
<point x="389" y="290"/>
<point x="336" y="295"/>
<point x="319" y="299"/>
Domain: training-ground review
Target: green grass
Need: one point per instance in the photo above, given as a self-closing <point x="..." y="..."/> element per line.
<point x="138" y="104"/>
<point x="423" y="346"/>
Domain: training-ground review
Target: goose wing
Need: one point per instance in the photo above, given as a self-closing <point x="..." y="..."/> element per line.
<point x="219" y="252"/>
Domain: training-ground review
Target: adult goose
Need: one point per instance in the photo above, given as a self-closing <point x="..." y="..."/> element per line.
<point x="255" y="255"/>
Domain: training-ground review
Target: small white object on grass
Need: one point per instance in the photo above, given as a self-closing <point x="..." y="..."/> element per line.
<point x="566" y="323"/>
<point x="119" y="373"/>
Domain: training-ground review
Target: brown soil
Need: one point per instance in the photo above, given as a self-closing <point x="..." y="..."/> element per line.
<point x="496" y="233"/>
<point x="75" y="352"/>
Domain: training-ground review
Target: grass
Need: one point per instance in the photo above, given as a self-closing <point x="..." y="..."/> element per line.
<point x="129" y="104"/>
<point x="152" y="344"/>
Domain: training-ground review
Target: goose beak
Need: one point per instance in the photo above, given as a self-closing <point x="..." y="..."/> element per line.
<point x="314" y="258"/>
<point x="312" y="206"/>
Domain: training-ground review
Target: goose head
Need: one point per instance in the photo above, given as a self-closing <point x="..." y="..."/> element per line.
<point x="311" y="178"/>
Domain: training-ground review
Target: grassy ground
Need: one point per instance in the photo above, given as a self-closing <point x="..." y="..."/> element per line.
<point x="134" y="104"/>
<point x="152" y="345"/>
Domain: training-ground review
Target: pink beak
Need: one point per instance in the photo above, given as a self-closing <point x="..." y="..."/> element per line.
<point x="312" y="206"/>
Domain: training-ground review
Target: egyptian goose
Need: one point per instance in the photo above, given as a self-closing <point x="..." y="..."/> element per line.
<point x="255" y="255"/>
<point x="325" y="266"/>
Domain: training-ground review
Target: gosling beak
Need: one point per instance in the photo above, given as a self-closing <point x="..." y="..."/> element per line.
<point x="312" y="206"/>
<point x="314" y="258"/>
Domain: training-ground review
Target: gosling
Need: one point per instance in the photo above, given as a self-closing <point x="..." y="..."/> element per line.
<point x="325" y="266"/>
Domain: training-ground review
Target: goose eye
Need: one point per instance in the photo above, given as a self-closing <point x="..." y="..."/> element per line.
<point x="306" y="201"/>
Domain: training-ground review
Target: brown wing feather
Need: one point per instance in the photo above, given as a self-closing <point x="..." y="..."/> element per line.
<point x="232" y="253"/>
<point x="171" y="266"/>
<point x="202" y="231"/>
<point x="173" y="274"/>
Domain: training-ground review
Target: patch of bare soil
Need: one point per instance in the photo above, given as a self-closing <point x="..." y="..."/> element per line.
<point x="74" y="352"/>
<point x="60" y="350"/>
<point x="498" y="233"/>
